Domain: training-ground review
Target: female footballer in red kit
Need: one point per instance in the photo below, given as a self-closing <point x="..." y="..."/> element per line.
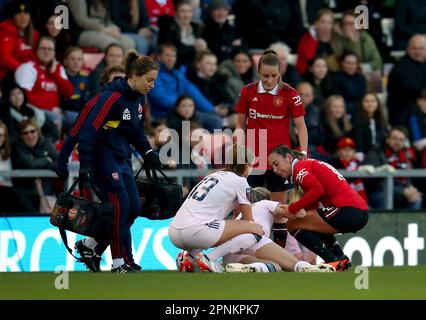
<point x="264" y="111"/>
<point x="342" y="211"/>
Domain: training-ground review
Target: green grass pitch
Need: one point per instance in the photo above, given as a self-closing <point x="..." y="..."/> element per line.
<point x="383" y="283"/>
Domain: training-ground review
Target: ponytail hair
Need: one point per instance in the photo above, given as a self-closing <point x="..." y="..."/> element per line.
<point x="270" y="58"/>
<point x="284" y="151"/>
<point x="237" y="157"/>
<point x="259" y="194"/>
<point x="138" y="65"/>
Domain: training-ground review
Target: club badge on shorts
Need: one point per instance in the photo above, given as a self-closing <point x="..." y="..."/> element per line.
<point x="115" y="176"/>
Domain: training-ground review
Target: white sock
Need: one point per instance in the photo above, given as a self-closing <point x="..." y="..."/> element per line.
<point x="90" y="243"/>
<point x="193" y="253"/>
<point x="300" y="264"/>
<point x="263" y="267"/>
<point x="234" y="245"/>
<point x="117" y="262"/>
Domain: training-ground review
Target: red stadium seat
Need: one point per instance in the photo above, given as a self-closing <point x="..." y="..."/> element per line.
<point x="92" y="59"/>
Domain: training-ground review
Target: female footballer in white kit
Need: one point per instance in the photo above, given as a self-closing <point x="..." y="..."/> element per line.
<point x="266" y="255"/>
<point x="200" y="222"/>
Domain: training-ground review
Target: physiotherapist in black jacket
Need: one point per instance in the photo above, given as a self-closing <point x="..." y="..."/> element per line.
<point x="113" y="123"/>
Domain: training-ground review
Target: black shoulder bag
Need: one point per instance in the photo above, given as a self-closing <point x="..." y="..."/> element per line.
<point x="161" y="198"/>
<point x="82" y="216"/>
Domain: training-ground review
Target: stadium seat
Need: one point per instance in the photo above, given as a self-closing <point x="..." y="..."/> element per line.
<point x="292" y="58"/>
<point x="383" y="96"/>
<point x="397" y="54"/>
<point x="388" y="24"/>
<point x="92" y="59"/>
<point x="213" y="146"/>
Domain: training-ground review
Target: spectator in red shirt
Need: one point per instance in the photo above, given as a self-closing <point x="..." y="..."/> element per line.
<point x="269" y="104"/>
<point x="317" y="41"/>
<point x="344" y="210"/>
<point x="45" y="81"/>
<point x="158" y="8"/>
<point x="17" y="38"/>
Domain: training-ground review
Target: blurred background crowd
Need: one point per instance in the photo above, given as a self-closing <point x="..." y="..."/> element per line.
<point x="364" y="90"/>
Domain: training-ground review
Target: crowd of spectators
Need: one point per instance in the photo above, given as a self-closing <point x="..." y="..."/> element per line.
<point x="365" y="108"/>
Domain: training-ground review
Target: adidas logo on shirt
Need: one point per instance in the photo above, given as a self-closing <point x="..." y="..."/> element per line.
<point x="126" y="114"/>
<point x="254" y="99"/>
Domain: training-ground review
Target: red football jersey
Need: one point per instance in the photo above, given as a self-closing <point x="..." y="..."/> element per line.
<point x="322" y="182"/>
<point x="270" y="112"/>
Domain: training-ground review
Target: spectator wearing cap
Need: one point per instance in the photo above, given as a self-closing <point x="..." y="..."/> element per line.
<point x="345" y="159"/>
<point x="221" y="36"/>
<point x="17" y="38"/>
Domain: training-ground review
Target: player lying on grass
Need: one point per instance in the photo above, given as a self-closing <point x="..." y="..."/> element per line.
<point x="264" y="256"/>
<point x="343" y="209"/>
